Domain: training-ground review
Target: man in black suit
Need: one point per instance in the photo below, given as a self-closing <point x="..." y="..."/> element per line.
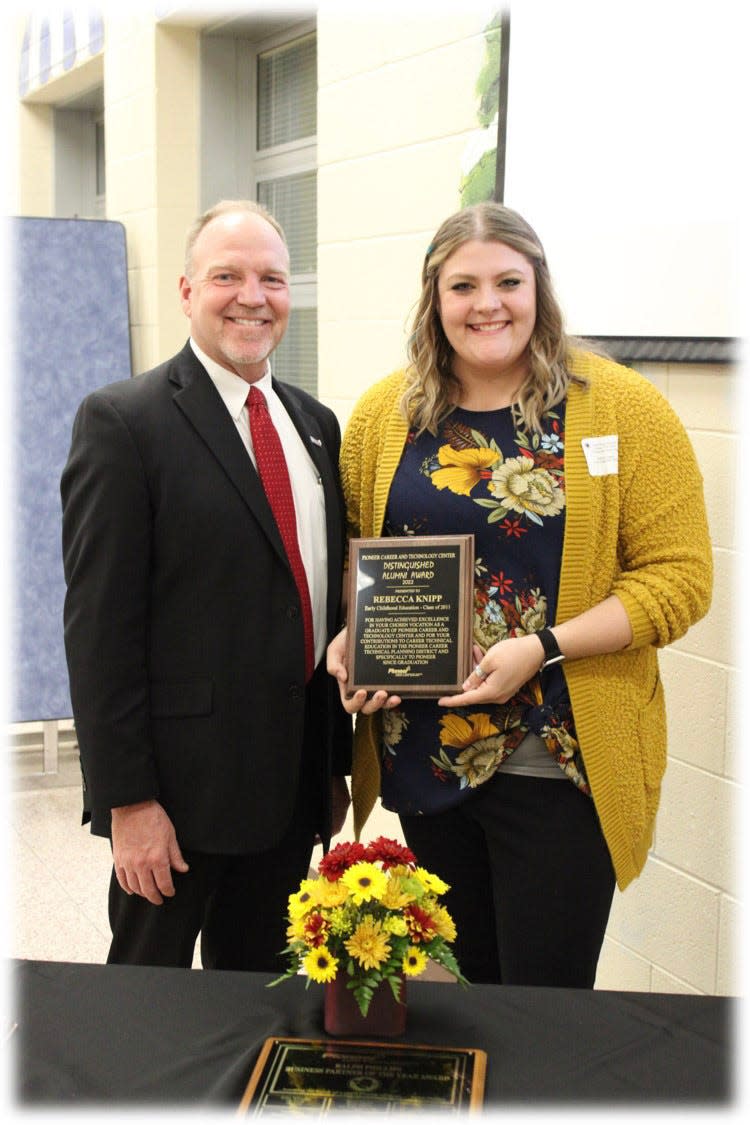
<point x="210" y="755"/>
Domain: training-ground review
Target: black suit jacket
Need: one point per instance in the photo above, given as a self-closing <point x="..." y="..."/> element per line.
<point x="183" y="630"/>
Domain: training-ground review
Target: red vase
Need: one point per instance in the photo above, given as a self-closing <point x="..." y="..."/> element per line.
<point x="386" y="1016"/>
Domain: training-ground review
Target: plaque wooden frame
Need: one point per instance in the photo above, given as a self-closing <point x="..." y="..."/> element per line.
<point x="405" y="592"/>
<point x="323" y="1075"/>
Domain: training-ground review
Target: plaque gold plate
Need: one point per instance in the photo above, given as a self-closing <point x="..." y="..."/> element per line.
<point x="410" y="611"/>
<point x="318" y="1075"/>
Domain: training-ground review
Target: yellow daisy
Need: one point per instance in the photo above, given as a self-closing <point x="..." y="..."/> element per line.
<point x="331" y="894"/>
<point x="444" y="924"/>
<point x="304" y="899"/>
<point x="320" y="965"/>
<point x="369" y="943"/>
<point x="415" y="961"/>
<point x="462" y="468"/>
<point x="431" y="882"/>
<point x="365" y="881"/>
<point x="295" y="931"/>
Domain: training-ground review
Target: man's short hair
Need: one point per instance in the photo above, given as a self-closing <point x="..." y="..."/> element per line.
<point x="226" y="207"/>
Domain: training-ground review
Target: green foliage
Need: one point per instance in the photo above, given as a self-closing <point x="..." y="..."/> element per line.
<point x="479" y="185"/>
<point x="488" y="82"/>
<point x="442" y="955"/>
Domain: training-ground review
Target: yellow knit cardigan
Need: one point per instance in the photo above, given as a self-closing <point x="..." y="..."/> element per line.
<point x="640" y="533"/>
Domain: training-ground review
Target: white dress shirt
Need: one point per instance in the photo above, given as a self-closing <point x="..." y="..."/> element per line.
<point x="307" y="487"/>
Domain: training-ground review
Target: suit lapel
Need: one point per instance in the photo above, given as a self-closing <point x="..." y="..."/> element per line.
<point x="308" y="429"/>
<point x="200" y="402"/>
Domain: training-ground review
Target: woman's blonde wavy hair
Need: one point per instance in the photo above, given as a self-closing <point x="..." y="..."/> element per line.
<point x="431" y="391"/>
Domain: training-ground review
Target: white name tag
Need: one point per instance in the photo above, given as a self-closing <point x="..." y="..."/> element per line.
<point x="601" y="455"/>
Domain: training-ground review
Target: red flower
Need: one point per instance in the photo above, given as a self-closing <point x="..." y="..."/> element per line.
<point x="504" y="585"/>
<point x="340" y="859"/>
<point x="390" y="853"/>
<point x="421" y="926"/>
<point x="513" y="528"/>
<point x="315" y="930"/>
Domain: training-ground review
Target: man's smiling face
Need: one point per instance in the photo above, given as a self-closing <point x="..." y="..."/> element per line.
<point x="237" y="294"/>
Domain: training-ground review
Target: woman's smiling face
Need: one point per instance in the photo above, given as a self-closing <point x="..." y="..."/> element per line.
<point x="487" y="306"/>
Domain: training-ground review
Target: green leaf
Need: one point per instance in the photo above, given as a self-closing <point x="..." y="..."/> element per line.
<point x="479" y="185"/>
<point x="291" y="972"/>
<point x="395" y="983"/>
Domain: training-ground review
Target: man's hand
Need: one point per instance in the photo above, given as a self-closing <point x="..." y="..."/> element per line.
<point x="145" y="850"/>
<point x="358" y="700"/>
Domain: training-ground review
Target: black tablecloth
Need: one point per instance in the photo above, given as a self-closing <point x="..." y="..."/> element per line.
<point x="125" y="1035"/>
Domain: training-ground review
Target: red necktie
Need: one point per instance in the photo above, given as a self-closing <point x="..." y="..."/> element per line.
<point x="274" y="475"/>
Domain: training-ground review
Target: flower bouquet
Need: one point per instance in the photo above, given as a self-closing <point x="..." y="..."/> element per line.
<point x="372" y="914"/>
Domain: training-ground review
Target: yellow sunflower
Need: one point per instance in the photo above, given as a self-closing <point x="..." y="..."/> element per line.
<point x="365" y="881"/>
<point x="462" y="468"/>
<point x="303" y="900"/>
<point x="415" y="961"/>
<point x="369" y="943"/>
<point x="320" y="965"/>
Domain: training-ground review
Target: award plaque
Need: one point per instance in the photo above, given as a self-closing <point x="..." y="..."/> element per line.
<point x="318" y="1076"/>
<point x="409" y="623"/>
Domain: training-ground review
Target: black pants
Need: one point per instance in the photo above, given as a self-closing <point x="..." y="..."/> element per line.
<point x="531" y="880"/>
<point x="238" y="904"/>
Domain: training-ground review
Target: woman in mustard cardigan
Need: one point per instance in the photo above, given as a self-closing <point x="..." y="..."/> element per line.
<point x="536" y="789"/>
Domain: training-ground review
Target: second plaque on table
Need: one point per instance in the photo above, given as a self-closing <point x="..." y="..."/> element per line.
<point x="410" y="614"/>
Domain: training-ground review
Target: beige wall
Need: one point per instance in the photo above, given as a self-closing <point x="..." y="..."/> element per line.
<point x="151" y="81"/>
<point x="397" y="110"/>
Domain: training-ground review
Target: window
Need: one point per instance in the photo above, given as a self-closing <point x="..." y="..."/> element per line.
<point x="80" y="188"/>
<point x="259" y="122"/>
<point x="287" y="88"/>
<point x="286" y="183"/>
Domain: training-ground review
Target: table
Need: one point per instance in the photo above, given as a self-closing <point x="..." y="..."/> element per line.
<point x="130" y="1036"/>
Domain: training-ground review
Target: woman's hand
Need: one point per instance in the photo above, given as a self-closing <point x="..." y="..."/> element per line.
<point x="507" y="666"/>
<point x="358" y="700"/>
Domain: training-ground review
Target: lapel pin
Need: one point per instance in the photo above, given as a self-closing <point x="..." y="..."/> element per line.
<point x="316" y="440"/>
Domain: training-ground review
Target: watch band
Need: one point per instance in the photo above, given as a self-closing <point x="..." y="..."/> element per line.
<point x="552" y="653"/>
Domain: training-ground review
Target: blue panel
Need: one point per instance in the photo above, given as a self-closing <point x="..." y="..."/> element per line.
<point x="72" y="336"/>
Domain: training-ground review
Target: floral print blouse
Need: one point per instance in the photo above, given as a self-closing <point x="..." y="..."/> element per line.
<point x="482" y="475"/>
